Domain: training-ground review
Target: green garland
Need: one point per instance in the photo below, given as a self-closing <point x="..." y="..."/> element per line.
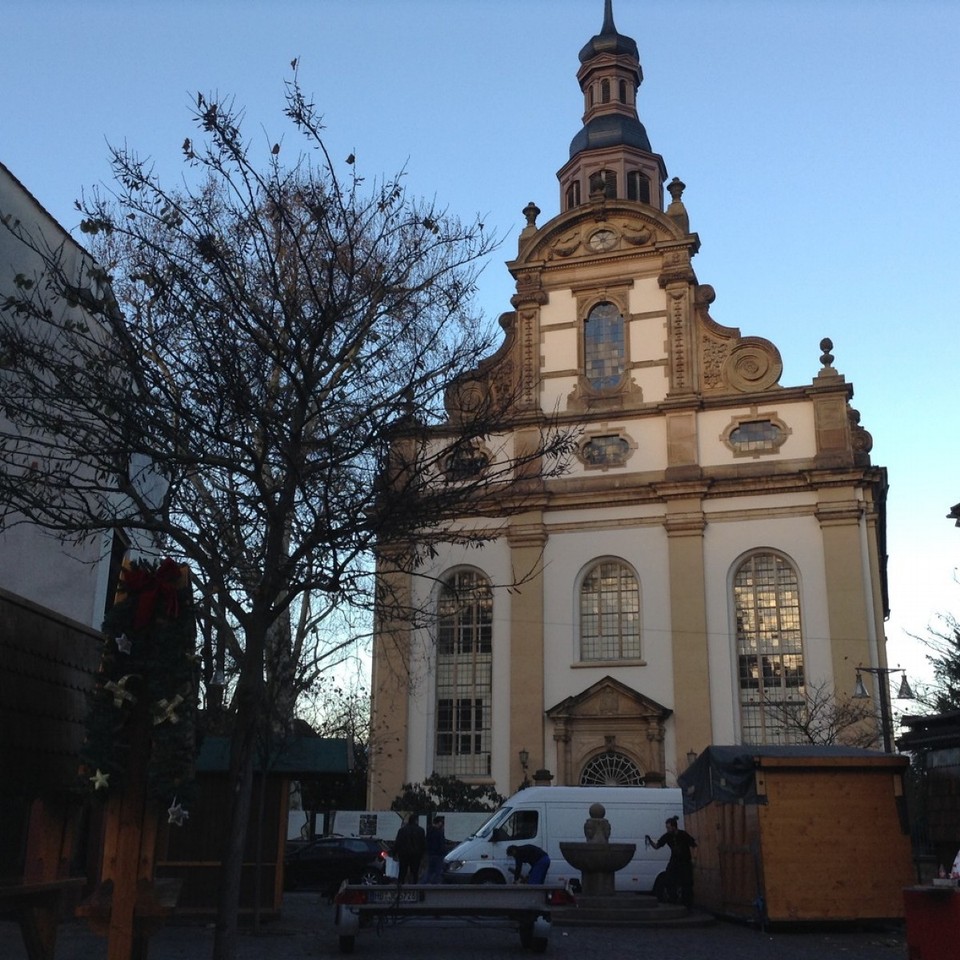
<point x="146" y="690"/>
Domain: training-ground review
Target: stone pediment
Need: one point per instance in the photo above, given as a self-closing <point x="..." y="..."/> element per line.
<point x="607" y="227"/>
<point x="608" y="699"/>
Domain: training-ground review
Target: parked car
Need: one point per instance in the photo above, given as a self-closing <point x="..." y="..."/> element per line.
<point x="325" y="863"/>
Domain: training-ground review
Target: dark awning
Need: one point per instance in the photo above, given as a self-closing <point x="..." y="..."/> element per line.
<point x="728" y="774"/>
<point x="299" y="757"/>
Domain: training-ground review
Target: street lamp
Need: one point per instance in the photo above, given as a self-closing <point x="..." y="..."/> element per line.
<point x="524" y="757"/>
<point x="904" y="693"/>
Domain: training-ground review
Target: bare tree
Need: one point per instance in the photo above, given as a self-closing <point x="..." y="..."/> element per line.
<point x="289" y="352"/>
<point x="822" y="717"/>
<point x="943" y="641"/>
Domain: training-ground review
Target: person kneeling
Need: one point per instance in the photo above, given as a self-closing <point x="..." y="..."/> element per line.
<point x="529" y="853"/>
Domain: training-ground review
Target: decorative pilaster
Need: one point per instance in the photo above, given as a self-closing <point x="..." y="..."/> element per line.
<point x="685" y="524"/>
<point x="853" y="632"/>
<point x="528" y="299"/>
<point x="526" y="537"/>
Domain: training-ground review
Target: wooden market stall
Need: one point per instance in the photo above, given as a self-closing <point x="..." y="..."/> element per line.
<point x="190" y="854"/>
<point x="798" y="833"/>
<point x="47" y="668"/>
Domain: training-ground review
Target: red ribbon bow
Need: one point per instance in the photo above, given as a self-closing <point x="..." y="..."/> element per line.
<point x="153" y="587"/>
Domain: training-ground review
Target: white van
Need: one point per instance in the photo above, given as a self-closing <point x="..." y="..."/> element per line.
<point x="545" y="816"/>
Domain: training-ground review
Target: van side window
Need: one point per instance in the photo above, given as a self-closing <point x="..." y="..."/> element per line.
<point x="522" y="825"/>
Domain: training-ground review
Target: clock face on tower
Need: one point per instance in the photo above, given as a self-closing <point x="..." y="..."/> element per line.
<point x="602" y="240"/>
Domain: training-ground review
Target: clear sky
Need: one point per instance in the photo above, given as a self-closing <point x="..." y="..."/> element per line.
<point x="819" y="141"/>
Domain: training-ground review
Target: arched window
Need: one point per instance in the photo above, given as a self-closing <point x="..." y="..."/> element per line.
<point x="604" y="346"/>
<point x="603" y="183"/>
<point x="610" y="613"/>
<point x="638" y="187"/>
<point x="464" y="675"/>
<point x="611" y="769"/>
<point x="604" y="91"/>
<point x="623" y="91"/>
<point x="573" y="195"/>
<point x="766" y="597"/>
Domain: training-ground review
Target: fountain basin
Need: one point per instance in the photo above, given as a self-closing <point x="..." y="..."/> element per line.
<point x="597" y="863"/>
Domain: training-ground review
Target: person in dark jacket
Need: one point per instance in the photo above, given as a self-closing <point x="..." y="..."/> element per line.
<point x="436" y="851"/>
<point x="408" y="849"/>
<point x="678" y="878"/>
<point x="529" y="853"/>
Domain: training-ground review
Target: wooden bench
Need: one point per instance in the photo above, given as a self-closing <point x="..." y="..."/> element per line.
<point x="37" y="907"/>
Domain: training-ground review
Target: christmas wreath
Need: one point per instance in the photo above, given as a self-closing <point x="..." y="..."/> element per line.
<point x="145" y="697"/>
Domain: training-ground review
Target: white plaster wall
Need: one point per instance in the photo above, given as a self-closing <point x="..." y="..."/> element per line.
<point x="646" y="295"/>
<point x="558" y="350"/>
<point x="67" y="578"/>
<point x="648" y="338"/>
<point x="725" y="542"/>
<point x="566" y="555"/>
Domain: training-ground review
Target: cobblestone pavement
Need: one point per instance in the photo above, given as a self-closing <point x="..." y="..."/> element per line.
<point x="306" y="930"/>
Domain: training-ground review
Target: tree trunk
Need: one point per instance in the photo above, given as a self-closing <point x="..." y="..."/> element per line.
<point x="243" y="752"/>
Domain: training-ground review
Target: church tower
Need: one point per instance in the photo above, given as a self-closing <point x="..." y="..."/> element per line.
<point x="715" y="558"/>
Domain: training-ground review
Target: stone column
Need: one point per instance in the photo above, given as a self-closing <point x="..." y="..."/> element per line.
<point x="390" y="695"/>
<point x="852" y="632"/>
<point x="526" y="536"/>
<point x="685" y="524"/>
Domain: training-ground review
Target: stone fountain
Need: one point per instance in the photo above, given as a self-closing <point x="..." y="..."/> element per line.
<point x="597" y="859"/>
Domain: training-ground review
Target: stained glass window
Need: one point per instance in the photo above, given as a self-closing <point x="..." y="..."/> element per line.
<point x="756" y="436"/>
<point x="605" y="451"/>
<point x="604" y="347"/>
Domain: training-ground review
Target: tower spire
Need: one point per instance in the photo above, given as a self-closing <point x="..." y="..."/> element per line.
<point x="608" y="25"/>
<point x="611" y="155"/>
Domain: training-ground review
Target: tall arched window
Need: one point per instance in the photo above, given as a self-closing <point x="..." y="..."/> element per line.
<point x="464" y="675"/>
<point x="610" y="613"/>
<point x="604" y="346"/>
<point x="766" y="597"/>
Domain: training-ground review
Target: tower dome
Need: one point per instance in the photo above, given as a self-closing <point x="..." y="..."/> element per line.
<point x="611" y="154"/>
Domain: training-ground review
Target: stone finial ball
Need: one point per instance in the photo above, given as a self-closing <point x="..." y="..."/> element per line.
<point x="597" y="811"/>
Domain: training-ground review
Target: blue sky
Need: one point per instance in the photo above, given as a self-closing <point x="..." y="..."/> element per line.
<point x="818" y="140"/>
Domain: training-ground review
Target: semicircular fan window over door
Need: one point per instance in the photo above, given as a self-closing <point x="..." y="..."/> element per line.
<point x="611" y="769"/>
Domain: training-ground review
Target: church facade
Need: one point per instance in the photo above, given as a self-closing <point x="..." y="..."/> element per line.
<point x="714" y="557"/>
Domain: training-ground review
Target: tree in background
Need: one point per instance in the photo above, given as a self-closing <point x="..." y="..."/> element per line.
<point x="339" y="708"/>
<point x="264" y="384"/>
<point x="943" y="640"/>
<point x="445" y="794"/>
<point x="823" y="718"/>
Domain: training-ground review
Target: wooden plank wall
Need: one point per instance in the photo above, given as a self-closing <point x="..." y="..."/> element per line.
<point x="192" y="852"/>
<point x="833" y="845"/>
<point x="48" y="665"/>
<point x="728" y="868"/>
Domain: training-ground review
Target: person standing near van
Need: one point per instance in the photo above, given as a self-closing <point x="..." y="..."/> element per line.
<point x="529" y="853"/>
<point x="436" y="851"/>
<point x="679" y="873"/>
<point x="408" y="848"/>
